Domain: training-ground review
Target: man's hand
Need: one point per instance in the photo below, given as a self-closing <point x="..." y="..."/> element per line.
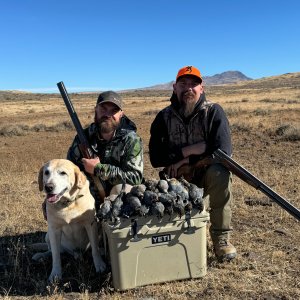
<point x="172" y="170"/>
<point x="89" y="164"/>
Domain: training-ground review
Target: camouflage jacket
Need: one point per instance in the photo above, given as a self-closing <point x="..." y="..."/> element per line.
<point x="121" y="158"/>
<point x="170" y="132"/>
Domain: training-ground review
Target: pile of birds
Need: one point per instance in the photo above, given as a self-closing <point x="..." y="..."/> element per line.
<point x="153" y="198"/>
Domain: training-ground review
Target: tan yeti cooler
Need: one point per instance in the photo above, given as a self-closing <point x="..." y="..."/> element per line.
<point x="146" y="250"/>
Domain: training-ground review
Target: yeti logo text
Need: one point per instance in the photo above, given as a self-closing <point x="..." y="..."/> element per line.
<point x="161" y="238"/>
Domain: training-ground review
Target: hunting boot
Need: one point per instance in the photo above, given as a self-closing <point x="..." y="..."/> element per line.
<point x="223" y="249"/>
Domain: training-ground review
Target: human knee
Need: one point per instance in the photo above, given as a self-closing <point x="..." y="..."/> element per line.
<point x="218" y="187"/>
<point x="217" y="174"/>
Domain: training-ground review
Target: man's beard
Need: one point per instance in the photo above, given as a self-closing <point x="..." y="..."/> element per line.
<point x="107" y="125"/>
<point x="187" y="105"/>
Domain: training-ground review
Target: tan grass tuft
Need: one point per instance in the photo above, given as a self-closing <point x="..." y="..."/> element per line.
<point x="288" y="132"/>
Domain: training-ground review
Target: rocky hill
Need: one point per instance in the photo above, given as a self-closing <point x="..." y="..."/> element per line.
<point x="228" y="77"/>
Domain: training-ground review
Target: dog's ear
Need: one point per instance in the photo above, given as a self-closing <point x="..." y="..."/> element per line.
<point x="40" y="179"/>
<point x="80" y="178"/>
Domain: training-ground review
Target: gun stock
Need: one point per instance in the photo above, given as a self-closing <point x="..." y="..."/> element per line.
<point x="84" y="146"/>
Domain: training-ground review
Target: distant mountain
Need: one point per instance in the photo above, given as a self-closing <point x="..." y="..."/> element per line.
<point x="163" y="86"/>
<point x="228" y="77"/>
<point x="14" y="92"/>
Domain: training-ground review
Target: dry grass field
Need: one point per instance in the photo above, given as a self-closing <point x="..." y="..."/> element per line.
<point x="264" y="116"/>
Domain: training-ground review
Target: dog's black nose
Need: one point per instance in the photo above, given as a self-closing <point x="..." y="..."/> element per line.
<point x="49" y="187"/>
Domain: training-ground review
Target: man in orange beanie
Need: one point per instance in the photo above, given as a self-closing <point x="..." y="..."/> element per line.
<point x="189" y="128"/>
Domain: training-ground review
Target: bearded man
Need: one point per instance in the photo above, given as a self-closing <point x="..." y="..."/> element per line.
<point x="189" y="128"/>
<point x="118" y="150"/>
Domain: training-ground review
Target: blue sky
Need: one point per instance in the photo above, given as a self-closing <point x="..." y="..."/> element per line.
<point x="121" y="44"/>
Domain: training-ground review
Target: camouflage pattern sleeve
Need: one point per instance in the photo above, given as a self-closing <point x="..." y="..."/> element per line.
<point x="124" y="161"/>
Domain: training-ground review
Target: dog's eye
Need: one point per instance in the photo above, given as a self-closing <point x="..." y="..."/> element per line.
<point x="47" y="172"/>
<point x="63" y="173"/>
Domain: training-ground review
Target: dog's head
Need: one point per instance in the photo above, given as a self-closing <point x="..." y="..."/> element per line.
<point x="60" y="178"/>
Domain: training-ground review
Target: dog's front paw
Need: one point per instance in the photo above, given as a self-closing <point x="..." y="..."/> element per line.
<point x="100" y="266"/>
<point x="55" y="276"/>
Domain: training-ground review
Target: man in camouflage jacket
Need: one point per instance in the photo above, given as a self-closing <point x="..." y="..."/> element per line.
<point x="184" y="131"/>
<point x="117" y="147"/>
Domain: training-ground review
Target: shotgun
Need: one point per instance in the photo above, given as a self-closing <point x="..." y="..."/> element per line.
<point x="84" y="146"/>
<point x="219" y="156"/>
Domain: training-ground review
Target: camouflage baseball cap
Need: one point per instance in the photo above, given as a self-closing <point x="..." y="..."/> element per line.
<point x="111" y="97"/>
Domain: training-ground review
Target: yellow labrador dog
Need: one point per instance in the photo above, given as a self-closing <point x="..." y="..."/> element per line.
<point x="70" y="214"/>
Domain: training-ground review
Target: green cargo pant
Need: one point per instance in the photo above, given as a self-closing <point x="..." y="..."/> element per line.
<point x="216" y="181"/>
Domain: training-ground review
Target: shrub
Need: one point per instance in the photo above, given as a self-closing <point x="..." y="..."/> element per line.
<point x="235" y="127"/>
<point x="14" y="130"/>
<point x="20" y="130"/>
<point x="232" y="111"/>
<point x="261" y="112"/>
<point x="288" y="132"/>
<point x="151" y="112"/>
<point x="39" y="127"/>
<point x="63" y="126"/>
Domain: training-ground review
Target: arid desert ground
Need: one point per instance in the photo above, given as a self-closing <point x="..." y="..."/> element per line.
<point x="264" y="118"/>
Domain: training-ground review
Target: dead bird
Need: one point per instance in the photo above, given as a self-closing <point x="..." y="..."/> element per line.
<point x="168" y="201"/>
<point x="132" y="205"/>
<point x="138" y="190"/>
<point x="127" y="211"/>
<point x="179" y="206"/>
<point x="199" y="204"/>
<point x="163" y="186"/>
<point x="169" y="208"/>
<point x="195" y="195"/>
<point x="184" y="181"/>
<point x="117" y="204"/>
<point x="165" y="198"/>
<point x="150" y="197"/>
<point x="177" y="187"/>
<point x="104" y="212"/>
<point x="194" y="191"/>
<point x="157" y="209"/>
<point x="151" y="184"/>
<point x="174" y="185"/>
<point x="144" y="210"/>
<point x="188" y="206"/>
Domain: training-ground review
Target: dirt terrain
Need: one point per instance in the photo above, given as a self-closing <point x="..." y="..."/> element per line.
<point x="264" y="117"/>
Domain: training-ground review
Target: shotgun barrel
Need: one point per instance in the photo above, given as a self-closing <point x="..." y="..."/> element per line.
<point x="84" y="146"/>
<point x="246" y="176"/>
